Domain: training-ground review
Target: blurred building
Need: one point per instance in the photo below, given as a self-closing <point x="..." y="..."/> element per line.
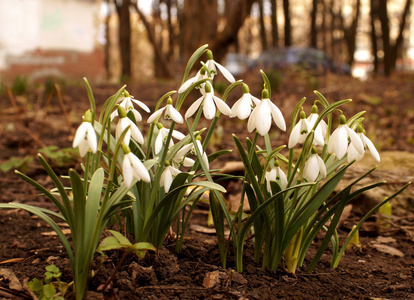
<point x="50" y="38"/>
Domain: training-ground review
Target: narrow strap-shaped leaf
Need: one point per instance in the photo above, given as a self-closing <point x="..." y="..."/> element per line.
<point x="330" y="232"/>
<point x="36" y="211"/>
<point x="340" y="254"/>
<point x="93" y="202"/>
<point x="45" y="191"/>
<point x="79" y="202"/>
<point x="62" y="192"/>
<point x="312" y="206"/>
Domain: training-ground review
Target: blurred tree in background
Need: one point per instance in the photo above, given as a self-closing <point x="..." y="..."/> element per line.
<point x="175" y="28"/>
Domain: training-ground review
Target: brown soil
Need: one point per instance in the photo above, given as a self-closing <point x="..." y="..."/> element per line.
<point x="371" y="272"/>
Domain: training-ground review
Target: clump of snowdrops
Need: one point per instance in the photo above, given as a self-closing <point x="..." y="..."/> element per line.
<point x="154" y="182"/>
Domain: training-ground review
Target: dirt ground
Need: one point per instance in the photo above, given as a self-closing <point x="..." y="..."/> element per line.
<point x="382" y="268"/>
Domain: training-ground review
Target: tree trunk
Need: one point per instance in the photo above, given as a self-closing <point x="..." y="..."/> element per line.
<point x="395" y="48"/>
<point x="235" y="20"/>
<point x="107" y="44"/>
<point x="350" y="32"/>
<point x="313" y="31"/>
<point x="163" y="62"/>
<point x="124" y="37"/>
<point x="383" y="16"/>
<point x="200" y="21"/>
<point x="171" y="35"/>
<point x="262" y="25"/>
<point x="275" y="31"/>
<point x="288" y="26"/>
<point x="374" y="44"/>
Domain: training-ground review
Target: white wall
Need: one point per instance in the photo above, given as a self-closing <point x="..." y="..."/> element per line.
<point x="27" y="25"/>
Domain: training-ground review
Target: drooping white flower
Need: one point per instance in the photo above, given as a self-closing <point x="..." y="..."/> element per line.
<point x="314" y="166"/>
<point x="212" y="67"/>
<point x="276" y="174"/>
<point x="85" y="137"/>
<point x="201" y="74"/>
<point x="353" y="153"/>
<point x="132" y="168"/>
<point x="162" y="136"/>
<point x="170" y="113"/>
<point x="261" y="116"/>
<point x="209" y="102"/>
<point x="320" y="130"/>
<point x="126" y="102"/>
<point x="202" y="152"/>
<point x="123" y="123"/>
<point x="243" y="107"/>
<point x="180" y="158"/>
<point x="300" y="131"/>
<point x="168" y="176"/>
<point x="338" y="143"/>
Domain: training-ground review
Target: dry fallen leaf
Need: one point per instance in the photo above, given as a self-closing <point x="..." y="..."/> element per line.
<point x="14" y="283"/>
<point x="50" y="233"/>
<point x="211" y="279"/>
<point x="12" y="260"/>
<point x="387" y="249"/>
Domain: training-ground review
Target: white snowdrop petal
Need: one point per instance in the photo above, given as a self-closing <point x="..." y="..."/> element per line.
<point x="226" y="73"/>
<point x="255" y="99"/>
<point x="193" y="107"/>
<point x="188" y="162"/>
<point x="372" y="149"/>
<point x="127" y="171"/>
<point x="155" y="115"/>
<point x="311" y="169"/>
<point x="322" y="167"/>
<point x="209" y="109"/>
<point x="263" y="120"/>
<point x="142" y="105"/>
<point x="79" y="135"/>
<point x="176" y="116"/>
<point x="158" y="142"/>
<point x="277" y="116"/>
<point x="136" y="133"/>
<point x="187" y="84"/>
<point x="251" y="123"/>
<point x="91" y="139"/>
<point x="282" y="177"/>
<point x="168" y="179"/>
<point x="294" y="136"/>
<point x="355" y="140"/>
<point x="139" y="169"/>
<point x="178" y="135"/>
<point x="83" y="148"/>
<point x="341" y="143"/>
<point x="222" y="106"/>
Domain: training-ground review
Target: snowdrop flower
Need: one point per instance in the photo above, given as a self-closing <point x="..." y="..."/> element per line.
<point x="201" y="74"/>
<point x="212" y="67"/>
<point x="300" y="131"/>
<point x="320" y="130"/>
<point x="208" y="100"/>
<point x="127" y="103"/>
<point x="202" y="152"/>
<point x="162" y="136"/>
<point x="353" y="153"/>
<point x="85" y="137"/>
<point x="275" y="174"/>
<point x="170" y="113"/>
<point x="338" y="143"/>
<point x="314" y="166"/>
<point x="261" y="116"/>
<point x="180" y="157"/>
<point x="125" y="122"/>
<point x="243" y="107"/>
<point x="168" y="176"/>
<point x="132" y="167"/>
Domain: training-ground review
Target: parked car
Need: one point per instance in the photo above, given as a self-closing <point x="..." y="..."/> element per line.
<point x="305" y="57"/>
